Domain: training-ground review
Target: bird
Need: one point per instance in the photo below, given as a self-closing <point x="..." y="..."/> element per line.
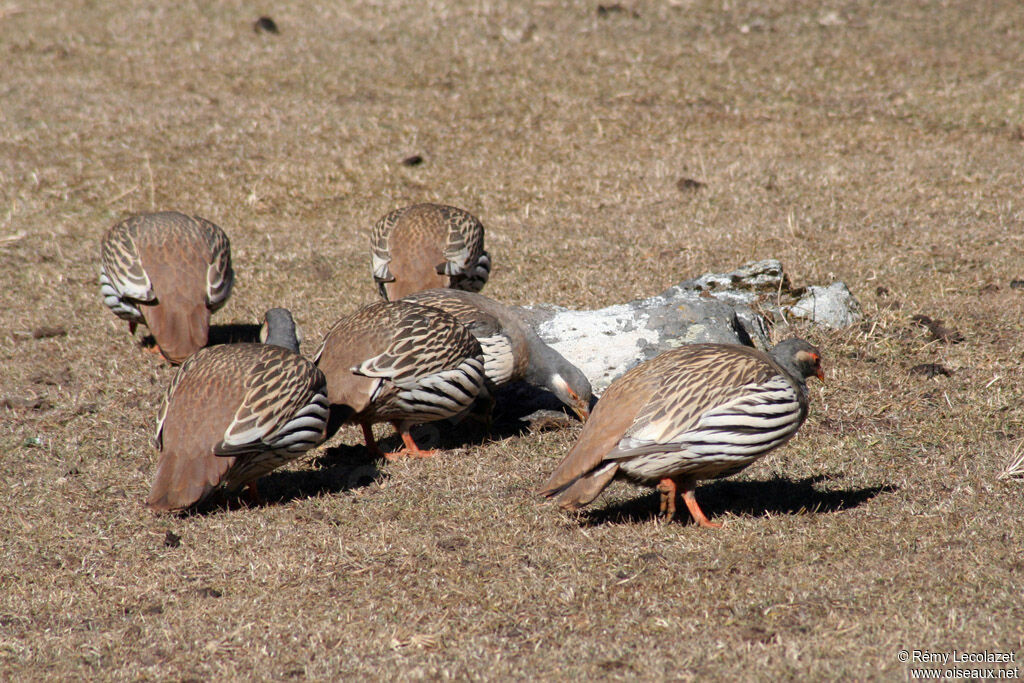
<point x="512" y="350"/>
<point x="425" y="246"/>
<point x="700" y="411"/>
<point x="399" y="362"/>
<point x="233" y="413"/>
<point x="168" y="271"/>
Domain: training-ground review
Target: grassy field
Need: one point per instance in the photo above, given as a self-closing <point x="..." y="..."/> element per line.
<point x="877" y="143"/>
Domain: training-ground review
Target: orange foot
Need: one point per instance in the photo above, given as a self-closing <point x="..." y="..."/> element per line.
<point x="411" y="450"/>
<point x="695" y="511"/>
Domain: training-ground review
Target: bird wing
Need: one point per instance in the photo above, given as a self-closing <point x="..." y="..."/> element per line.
<point x="713" y="397"/>
<point x="380" y="249"/>
<point x="219" y="274"/>
<point x="464" y="243"/>
<point x="122" y="264"/>
<point x="285" y="395"/>
<point x="422" y="344"/>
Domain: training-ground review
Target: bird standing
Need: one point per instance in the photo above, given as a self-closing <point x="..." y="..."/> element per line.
<point x="425" y="246"/>
<point x="512" y="350"/>
<point x="169" y="272"/>
<point x="399" y="362"/>
<point x="701" y="411"/>
<point x="235" y="412"/>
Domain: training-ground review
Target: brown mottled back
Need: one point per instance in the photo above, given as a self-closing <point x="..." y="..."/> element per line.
<point x="484" y="317"/>
<point x="230" y="399"/>
<point x="199" y="407"/>
<point x="425" y="246"/>
<point x="389" y="342"/>
<point x="177" y="269"/>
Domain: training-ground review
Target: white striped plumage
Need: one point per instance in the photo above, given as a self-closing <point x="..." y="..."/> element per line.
<point x="701" y="411"/>
<point x="443" y="394"/>
<point x="499" y="360"/>
<point x="403" y="363"/>
<point x="725" y="439"/>
<point x="512" y="350"/>
<point x="119" y="304"/>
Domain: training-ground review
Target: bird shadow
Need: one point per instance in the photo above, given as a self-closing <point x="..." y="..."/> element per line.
<point x="334" y="470"/>
<point x="519" y="409"/>
<point x="775" y="496"/>
<point x="233" y="333"/>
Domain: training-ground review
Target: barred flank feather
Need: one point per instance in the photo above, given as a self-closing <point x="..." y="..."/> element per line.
<point x="512" y="350"/>
<point x="401" y="362"/>
<point x="697" y="412"/>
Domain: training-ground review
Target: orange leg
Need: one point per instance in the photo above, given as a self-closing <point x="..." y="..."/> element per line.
<point x="411" y="450"/>
<point x="695" y="511"/>
<point x="667" y="488"/>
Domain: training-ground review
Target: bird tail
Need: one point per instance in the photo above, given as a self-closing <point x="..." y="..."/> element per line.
<point x="583" y="489"/>
<point x="180" y="331"/>
<point x="181" y="482"/>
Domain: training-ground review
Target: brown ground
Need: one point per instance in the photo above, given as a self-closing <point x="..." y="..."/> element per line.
<point x="881" y="145"/>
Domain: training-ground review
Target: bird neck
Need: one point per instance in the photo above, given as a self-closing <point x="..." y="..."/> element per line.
<point x="277" y="337"/>
<point x="280" y="330"/>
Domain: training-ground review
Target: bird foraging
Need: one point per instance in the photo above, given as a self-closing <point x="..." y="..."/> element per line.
<point x="512" y="350"/>
<point x="235" y="412"/>
<point x="399" y="362"/>
<point x="701" y="411"/>
<point x="426" y="246"/>
<point x="167" y="271"/>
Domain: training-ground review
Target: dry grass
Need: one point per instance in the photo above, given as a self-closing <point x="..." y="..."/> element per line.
<point x="880" y="144"/>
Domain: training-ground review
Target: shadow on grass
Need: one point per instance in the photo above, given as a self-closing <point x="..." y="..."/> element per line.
<point x="776" y="496"/>
<point x="519" y="409"/>
<point x="334" y="470"/>
<point x="233" y="333"/>
<point x="338" y="469"/>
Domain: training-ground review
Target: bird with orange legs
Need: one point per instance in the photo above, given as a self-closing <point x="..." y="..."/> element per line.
<point x="701" y="411"/>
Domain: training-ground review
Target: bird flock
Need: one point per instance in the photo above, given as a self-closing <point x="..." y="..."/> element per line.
<point x="433" y="349"/>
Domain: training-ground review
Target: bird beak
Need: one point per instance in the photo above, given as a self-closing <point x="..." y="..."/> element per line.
<point x="820" y="374"/>
<point x="581" y="409"/>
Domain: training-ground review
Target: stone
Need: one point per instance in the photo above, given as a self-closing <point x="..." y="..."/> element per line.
<point x="832" y="306"/>
<point x="728" y="308"/>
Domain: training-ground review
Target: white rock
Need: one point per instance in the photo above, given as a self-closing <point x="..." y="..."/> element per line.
<point x="716" y="307"/>
<point x="832" y="306"/>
